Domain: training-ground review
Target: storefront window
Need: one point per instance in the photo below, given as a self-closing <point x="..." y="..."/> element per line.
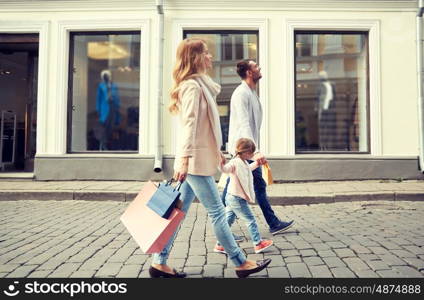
<point x="331" y="91"/>
<point x="104" y="86"/>
<point x="227" y="49"/>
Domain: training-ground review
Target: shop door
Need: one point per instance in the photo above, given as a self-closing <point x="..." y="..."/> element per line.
<point x="18" y="101"/>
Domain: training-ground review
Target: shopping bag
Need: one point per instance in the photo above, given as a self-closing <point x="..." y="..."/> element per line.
<point x="266" y="174"/>
<point x="150" y="231"/>
<point x="164" y="199"/>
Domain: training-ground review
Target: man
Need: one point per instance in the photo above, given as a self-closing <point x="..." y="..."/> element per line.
<point x="245" y="122"/>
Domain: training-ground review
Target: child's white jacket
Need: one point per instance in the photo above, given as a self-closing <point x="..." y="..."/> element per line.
<point x="241" y="178"/>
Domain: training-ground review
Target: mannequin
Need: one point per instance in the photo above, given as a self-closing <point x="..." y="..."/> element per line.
<point x="107" y="107"/>
<point x="326" y="113"/>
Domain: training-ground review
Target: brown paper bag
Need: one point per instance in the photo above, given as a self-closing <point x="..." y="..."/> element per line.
<point x="266" y="174"/>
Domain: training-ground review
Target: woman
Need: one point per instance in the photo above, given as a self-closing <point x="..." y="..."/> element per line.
<point x="198" y="156"/>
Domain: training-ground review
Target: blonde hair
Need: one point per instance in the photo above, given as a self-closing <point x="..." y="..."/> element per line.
<point x="190" y="61"/>
<point x="245" y="145"/>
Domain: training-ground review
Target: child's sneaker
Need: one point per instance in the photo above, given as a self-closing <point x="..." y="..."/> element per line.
<point x="263" y="245"/>
<point x="218" y="248"/>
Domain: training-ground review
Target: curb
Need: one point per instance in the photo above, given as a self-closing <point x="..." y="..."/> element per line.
<point x="64" y="195"/>
<point x="346" y="197"/>
<point x="128" y="196"/>
<point x="35" y="195"/>
<point x="99" y="196"/>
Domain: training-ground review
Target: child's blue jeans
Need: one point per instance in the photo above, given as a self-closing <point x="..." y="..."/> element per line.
<point x="238" y="207"/>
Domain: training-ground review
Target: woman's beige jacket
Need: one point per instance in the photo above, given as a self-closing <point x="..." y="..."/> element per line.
<point x="196" y="138"/>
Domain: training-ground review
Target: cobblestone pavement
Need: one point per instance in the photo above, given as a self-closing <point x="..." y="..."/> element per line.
<point x="86" y="239"/>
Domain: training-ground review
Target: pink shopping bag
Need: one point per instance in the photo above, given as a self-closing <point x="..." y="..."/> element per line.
<point x="148" y="229"/>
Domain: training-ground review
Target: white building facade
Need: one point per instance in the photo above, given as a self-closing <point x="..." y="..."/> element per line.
<point x="84" y="85"/>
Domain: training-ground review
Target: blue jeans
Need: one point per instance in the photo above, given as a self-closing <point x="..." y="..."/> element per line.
<point x="259" y="186"/>
<point x="239" y="207"/>
<point x="204" y="188"/>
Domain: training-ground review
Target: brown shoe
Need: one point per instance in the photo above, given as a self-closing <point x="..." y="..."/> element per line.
<point x="261" y="264"/>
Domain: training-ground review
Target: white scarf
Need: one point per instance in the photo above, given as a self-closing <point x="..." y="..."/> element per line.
<point x="211" y="89"/>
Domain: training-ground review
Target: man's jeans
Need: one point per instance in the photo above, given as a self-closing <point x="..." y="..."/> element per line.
<point x="239" y="207"/>
<point x="259" y="186"/>
<point x="204" y="188"/>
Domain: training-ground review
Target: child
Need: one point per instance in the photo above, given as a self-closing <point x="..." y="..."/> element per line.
<point x="240" y="192"/>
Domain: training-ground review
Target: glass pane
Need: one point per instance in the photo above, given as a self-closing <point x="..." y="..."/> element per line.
<point x="331" y="92"/>
<point x="104" y="95"/>
<point x="227" y="50"/>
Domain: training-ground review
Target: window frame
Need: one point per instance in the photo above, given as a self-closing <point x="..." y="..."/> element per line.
<point x="259" y="25"/>
<point x="374" y="81"/>
<point x="213" y="31"/>
<point x="42" y="28"/>
<point x="145" y="138"/>
<point x="344" y="32"/>
<point x="70" y="91"/>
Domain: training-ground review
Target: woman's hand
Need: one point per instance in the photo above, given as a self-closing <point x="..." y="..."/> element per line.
<point x="181" y="174"/>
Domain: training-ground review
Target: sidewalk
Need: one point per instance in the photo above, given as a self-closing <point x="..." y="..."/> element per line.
<point x="279" y="194"/>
